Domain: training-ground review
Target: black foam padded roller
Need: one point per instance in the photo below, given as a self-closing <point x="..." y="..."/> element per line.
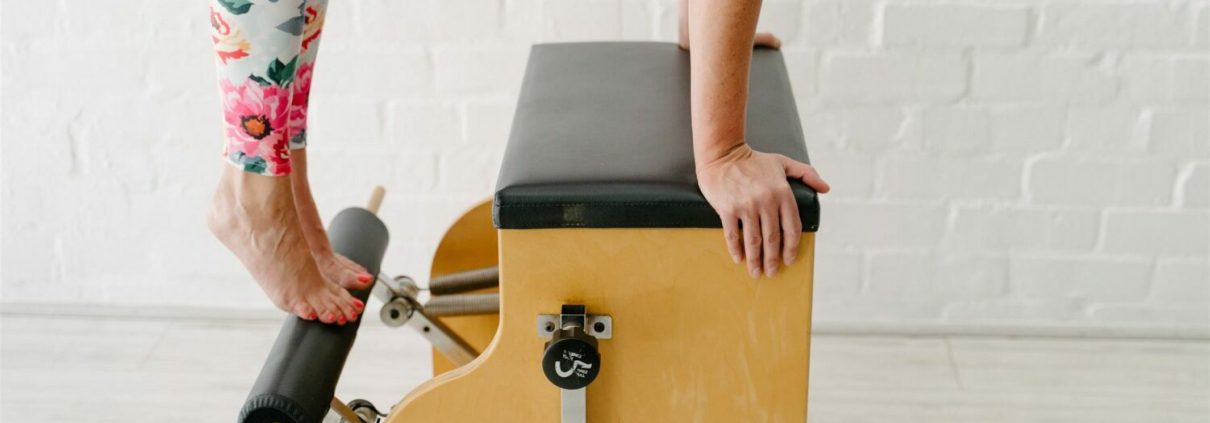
<point x="299" y="378"/>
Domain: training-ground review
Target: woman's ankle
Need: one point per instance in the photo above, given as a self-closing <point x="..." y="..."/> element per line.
<point x="244" y="201"/>
<point x="308" y="214"/>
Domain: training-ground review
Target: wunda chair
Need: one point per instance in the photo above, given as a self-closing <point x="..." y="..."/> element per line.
<point x="605" y="291"/>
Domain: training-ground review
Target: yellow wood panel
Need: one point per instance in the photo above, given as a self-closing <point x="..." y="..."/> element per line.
<point x="469" y="244"/>
<point x="695" y="338"/>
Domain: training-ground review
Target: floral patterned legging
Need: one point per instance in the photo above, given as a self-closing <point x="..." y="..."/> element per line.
<point x="265" y="51"/>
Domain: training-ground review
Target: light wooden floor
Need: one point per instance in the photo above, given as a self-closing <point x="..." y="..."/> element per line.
<point x="153" y="370"/>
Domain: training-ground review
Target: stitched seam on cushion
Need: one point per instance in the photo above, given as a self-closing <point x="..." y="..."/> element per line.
<point x="814" y="205"/>
<point x="606" y="204"/>
<point x="584" y="225"/>
<point x="634" y="226"/>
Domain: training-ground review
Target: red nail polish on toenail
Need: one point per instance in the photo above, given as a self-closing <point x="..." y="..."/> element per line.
<point x="363" y="277"/>
<point x="342" y="320"/>
<point x="313" y="316"/>
<point x="358" y="303"/>
<point x="328" y="317"/>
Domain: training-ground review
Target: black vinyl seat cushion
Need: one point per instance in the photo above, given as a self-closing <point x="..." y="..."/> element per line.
<point x="602" y="139"/>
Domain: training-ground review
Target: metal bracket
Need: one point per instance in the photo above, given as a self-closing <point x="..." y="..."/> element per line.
<point x="600" y="326"/>
<point x="443" y="339"/>
<point x="401" y="307"/>
<point x="573" y="403"/>
<point x="387" y="288"/>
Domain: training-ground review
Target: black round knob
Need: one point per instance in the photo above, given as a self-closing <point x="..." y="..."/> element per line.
<point x="571" y="360"/>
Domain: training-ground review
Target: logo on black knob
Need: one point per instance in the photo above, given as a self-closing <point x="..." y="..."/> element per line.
<point x="571" y="363"/>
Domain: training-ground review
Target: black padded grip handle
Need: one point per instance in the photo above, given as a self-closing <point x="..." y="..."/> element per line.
<point x="299" y="378"/>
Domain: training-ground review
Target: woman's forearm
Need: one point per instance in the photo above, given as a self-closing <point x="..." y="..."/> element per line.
<point x="722" y="32"/>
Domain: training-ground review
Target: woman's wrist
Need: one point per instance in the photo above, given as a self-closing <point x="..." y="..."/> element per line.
<point x="715" y="152"/>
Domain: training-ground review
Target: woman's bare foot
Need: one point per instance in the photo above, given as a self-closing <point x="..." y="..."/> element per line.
<point x="255" y="217"/>
<point x="333" y="266"/>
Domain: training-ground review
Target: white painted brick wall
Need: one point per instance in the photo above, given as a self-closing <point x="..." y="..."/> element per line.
<point x="1026" y="163"/>
<point x="955" y="25"/>
<point x="1041" y="75"/>
<point x="891" y="77"/>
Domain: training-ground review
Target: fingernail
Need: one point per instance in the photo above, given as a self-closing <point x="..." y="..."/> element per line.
<point x="357" y="303"/>
<point x="790" y="259"/>
<point x="755" y="273"/>
<point x="363" y="277"/>
<point x="735" y="258"/>
<point x="771" y="271"/>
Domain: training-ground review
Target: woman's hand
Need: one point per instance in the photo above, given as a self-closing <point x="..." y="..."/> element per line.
<point x="745" y="187"/>
<point x="749" y="189"/>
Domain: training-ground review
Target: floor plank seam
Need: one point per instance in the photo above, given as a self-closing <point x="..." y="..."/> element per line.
<point x="949" y="353"/>
<point x="1198" y="332"/>
<point x="154" y="347"/>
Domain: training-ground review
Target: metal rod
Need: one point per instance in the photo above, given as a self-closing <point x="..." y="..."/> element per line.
<point x="463" y="304"/>
<point x="470" y="280"/>
<point x="443" y="339"/>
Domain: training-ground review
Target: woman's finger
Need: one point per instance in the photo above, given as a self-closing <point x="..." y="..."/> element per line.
<point x="732" y="234"/>
<point x="791" y="229"/>
<point x="766" y="39"/>
<point x="752" y="243"/>
<point x="805" y="173"/>
<point x="771" y="234"/>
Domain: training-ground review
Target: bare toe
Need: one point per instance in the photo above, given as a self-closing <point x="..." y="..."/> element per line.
<point x="352" y="265"/>
<point x="335" y="314"/>
<point x="327" y="313"/>
<point x="336" y="270"/>
<point x="304" y="310"/>
<point x="353" y="280"/>
<point x="363" y="277"/>
<point x="345" y="302"/>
